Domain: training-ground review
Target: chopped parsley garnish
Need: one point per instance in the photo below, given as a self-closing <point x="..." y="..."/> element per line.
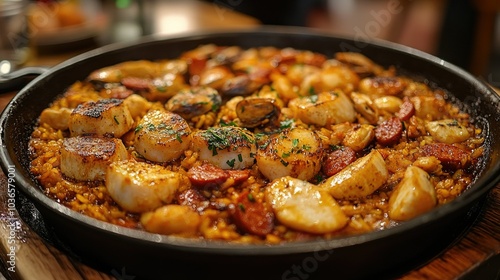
<point x="286" y="124"/>
<point x="138" y="128"/>
<point x="151" y="127"/>
<point x="116" y="120"/>
<point x="230" y="163"/>
<point x="250" y="197"/>
<point x="241" y="206"/>
<point x="313" y="98"/>
<point x="222" y="123"/>
<point x="295" y="142"/>
<point x="284" y="162"/>
<point x="240" y="158"/>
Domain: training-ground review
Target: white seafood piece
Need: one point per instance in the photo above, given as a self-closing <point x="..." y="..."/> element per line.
<point x="296" y="152"/>
<point x="447" y="131"/>
<point x="86" y="158"/>
<point x="56" y="118"/>
<point x="162" y="136"/>
<point x="388" y="103"/>
<point x="414" y="195"/>
<point x="359" y="179"/>
<point x="326" y="108"/>
<point x="106" y="117"/>
<point x="226" y="147"/>
<point x="140" y="187"/>
<point x="137" y="105"/>
<point x="359" y="137"/>
<point x="428" y="107"/>
<point x="303" y="206"/>
<point x="172" y="219"/>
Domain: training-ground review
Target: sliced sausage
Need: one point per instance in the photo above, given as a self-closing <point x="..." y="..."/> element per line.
<point x="251" y="216"/>
<point x="135" y="83"/>
<point x="450" y="156"/>
<point x="239" y="176"/>
<point x="338" y="160"/>
<point x="207" y="175"/>
<point x="389" y="132"/>
<point x="195" y="68"/>
<point x="406" y="110"/>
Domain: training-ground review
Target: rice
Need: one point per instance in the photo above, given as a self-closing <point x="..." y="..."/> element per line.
<point x="364" y="215"/>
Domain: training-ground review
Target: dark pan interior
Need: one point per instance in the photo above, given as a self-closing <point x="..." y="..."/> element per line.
<point x="147" y="254"/>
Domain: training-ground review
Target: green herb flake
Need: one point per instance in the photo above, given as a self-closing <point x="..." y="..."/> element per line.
<point x="312" y="91"/>
<point x="178" y="137"/>
<point x="295" y="142"/>
<point x="161" y="88"/>
<point x="250" y="197"/>
<point x="151" y="127"/>
<point x="230" y="163"/>
<point x="313" y="98"/>
<point x="116" y="120"/>
<point x="222" y="123"/>
<point x="240" y="158"/>
<point x="138" y="128"/>
<point x="285" y="155"/>
<point x="286" y="124"/>
<point x="241" y="206"/>
<point x="284" y="162"/>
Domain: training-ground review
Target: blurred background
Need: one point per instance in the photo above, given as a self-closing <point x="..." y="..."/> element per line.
<point x="463" y="32"/>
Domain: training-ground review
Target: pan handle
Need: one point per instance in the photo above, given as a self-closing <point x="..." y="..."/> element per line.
<point x="17" y="79"/>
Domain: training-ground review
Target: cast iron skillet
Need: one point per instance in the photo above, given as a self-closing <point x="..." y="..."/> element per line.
<point x="136" y="253"/>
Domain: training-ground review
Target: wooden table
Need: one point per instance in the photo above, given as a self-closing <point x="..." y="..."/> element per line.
<point x="35" y="258"/>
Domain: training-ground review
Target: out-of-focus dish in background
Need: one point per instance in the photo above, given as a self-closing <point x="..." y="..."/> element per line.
<point x="54" y="23"/>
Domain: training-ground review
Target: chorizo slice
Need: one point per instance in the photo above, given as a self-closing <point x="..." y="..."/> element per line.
<point x="451" y="156"/>
<point x="406" y="110"/>
<point x="207" y="175"/>
<point x="138" y="84"/>
<point x="251" y="216"/>
<point x="389" y="132"/>
<point x="338" y="160"/>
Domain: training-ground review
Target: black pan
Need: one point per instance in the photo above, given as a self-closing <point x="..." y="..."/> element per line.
<point x="384" y="253"/>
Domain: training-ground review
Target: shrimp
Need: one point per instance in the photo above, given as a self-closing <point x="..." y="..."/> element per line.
<point x="140" y="187"/>
<point x="226" y="147"/>
<point x="304" y="206"/>
<point x="106" y="117"/>
<point x="86" y="158"/>
<point x="162" y="136"/>
<point x="295" y="152"/>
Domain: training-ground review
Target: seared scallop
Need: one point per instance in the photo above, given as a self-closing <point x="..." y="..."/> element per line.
<point x="226" y="147"/>
<point x="86" y="158"/>
<point x="106" y="117"/>
<point x="140" y="187"/>
<point x="296" y="152"/>
<point x="162" y="136"/>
